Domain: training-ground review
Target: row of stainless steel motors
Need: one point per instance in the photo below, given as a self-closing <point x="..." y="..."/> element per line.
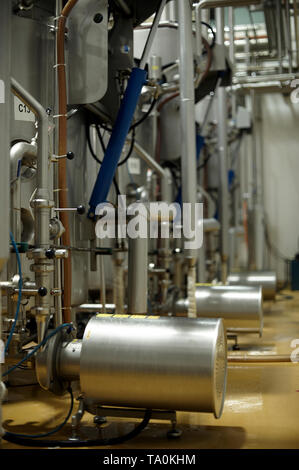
<point x="155" y="362"/>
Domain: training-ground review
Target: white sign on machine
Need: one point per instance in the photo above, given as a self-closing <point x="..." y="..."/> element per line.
<point x="22" y="111"/>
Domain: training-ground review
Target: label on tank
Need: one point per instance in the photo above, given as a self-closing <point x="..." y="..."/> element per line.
<point x="22" y="112"/>
<point x="134" y="166"/>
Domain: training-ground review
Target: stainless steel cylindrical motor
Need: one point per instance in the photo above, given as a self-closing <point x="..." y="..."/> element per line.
<point x="240" y="307"/>
<point x="267" y="280"/>
<point x="147" y="362"/>
<point x="158" y="363"/>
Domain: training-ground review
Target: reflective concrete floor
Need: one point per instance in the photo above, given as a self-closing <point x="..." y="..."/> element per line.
<point x="261" y="408"/>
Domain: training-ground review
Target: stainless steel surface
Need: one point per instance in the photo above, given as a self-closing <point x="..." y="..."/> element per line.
<point x="167" y="186"/>
<point x="24" y="153"/>
<point x="159" y="363"/>
<point x="149" y="160"/>
<point x="88" y="52"/>
<point x="222" y="152"/>
<point x="231" y="22"/>
<point x="43" y="123"/>
<point x="201" y="264"/>
<point x="95" y="308"/>
<point x="234" y="235"/>
<point x="198" y="32"/>
<point x="151" y="35"/>
<point x="281" y="77"/>
<point x="278" y="33"/>
<point x="137" y="275"/>
<point x="170" y="12"/>
<point x="187" y="112"/>
<point x="68" y="360"/>
<point x="155" y="68"/>
<point x="266" y="279"/>
<point x="211" y="225"/>
<point x="241" y="307"/>
<point x="257" y="247"/>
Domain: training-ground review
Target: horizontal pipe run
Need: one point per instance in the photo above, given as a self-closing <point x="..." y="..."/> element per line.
<point x="262" y="78"/>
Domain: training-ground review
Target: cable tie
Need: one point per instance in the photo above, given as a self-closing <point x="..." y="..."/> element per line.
<point x="59" y="115"/>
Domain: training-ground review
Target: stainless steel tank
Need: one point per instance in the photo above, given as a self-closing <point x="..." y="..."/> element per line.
<point x="266" y="279"/>
<point x="150" y="362"/>
<point x="240" y="307"/>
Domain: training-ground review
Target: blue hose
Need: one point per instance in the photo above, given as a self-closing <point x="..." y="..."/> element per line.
<point x="19" y="294"/>
<point x="117" y="139"/>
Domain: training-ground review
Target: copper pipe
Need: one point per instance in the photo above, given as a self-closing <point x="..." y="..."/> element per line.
<point x="62" y="150"/>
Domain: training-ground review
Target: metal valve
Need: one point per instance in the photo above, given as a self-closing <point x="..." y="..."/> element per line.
<point x="68" y="155"/>
<point x="52" y="253"/>
<point x="79" y="209"/>
<point x="42" y="291"/>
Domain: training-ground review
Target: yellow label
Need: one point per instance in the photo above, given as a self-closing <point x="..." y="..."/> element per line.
<point x="155" y="67"/>
<point x="203" y="284"/>
<point x="120" y="315"/>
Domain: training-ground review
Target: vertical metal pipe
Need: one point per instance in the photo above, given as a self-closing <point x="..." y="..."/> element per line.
<point x="170" y="12"/>
<point x="42" y="267"/>
<point x="103" y="284"/>
<point x="137" y="275"/>
<point x="222" y="150"/>
<point x="278" y="27"/>
<point x="198" y="29"/>
<point x="118" y="284"/>
<point x="231" y="23"/>
<point x="288" y="31"/>
<point x="296" y="31"/>
<point x="187" y="113"/>
<point x="5" y="52"/>
<point x="151" y="35"/>
<point x="188" y="146"/>
<point x="258" y="260"/>
<point x="42" y="150"/>
<point x="201" y="263"/>
<point x="58" y="262"/>
<point x="205" y="16"/>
